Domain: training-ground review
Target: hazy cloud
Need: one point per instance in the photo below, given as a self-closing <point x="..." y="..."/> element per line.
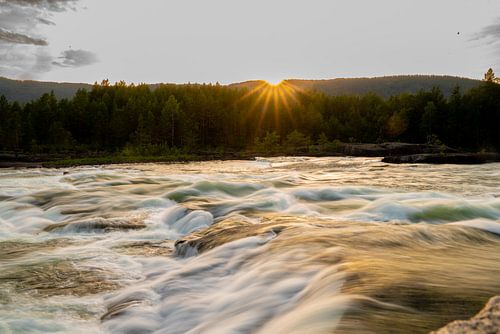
<point x="45" y="21"/>
<point x="12" y="37"/>
<point x="23" y="17"/>
<point x="22" y="50"/>
<point x="489" y="35"/>
<point x="24" y="61"/>
<point x="75" y="58"/>
<point x="51" y="5"/>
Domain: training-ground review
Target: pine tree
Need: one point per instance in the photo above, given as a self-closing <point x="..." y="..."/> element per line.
<point x="489" y="76"/>
<point x="168" y="119"/>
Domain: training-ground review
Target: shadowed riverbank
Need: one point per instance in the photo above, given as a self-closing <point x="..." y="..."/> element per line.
<point x="392" y="153"/>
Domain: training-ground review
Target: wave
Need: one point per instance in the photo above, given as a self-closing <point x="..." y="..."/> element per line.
<point x="237" y="287"/>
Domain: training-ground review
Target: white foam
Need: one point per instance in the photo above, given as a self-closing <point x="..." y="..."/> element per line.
<point x="485" y="225"/>
<point x="244" y="286"/>
<point x="237" y="287"/>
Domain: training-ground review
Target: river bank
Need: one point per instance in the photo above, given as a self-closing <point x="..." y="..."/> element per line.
<point x="391" y="152"/>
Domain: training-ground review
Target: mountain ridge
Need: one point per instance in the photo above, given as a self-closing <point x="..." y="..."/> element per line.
<point x="27" y="90"/>
<point x="385" y="86"/>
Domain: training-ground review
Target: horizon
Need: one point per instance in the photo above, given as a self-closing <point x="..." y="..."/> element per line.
<point x="241" y="82"/>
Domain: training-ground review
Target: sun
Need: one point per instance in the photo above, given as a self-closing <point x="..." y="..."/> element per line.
<point x="274" y="82"/>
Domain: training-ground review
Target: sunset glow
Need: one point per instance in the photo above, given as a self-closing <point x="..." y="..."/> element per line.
<point x="274" y="82"/>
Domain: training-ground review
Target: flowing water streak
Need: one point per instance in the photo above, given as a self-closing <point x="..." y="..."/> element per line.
<point x="281" y="245"/>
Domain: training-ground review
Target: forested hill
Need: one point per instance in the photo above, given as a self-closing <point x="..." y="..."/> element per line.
<point x="139" y="120"/>
<point x="383" y="86"/>
<point x="25" y="91"/>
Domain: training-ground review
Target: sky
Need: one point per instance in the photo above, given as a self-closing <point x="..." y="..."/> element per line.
<point x="228" y="41"/>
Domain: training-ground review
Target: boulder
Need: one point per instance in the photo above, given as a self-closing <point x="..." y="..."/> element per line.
<point x="487" y="321"/>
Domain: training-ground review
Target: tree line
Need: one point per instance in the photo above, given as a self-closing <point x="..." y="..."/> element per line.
<point x="139" y="120"/>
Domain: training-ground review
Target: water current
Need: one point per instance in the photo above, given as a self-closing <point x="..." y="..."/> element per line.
<point x="275" y="245"/>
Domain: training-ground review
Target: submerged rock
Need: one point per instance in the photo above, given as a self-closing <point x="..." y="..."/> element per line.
<point x="98" y="225"/>
<point x="12" y="250"/>
<point x="222" y="233"/>
<point x="57" y="278"/>
<point x="487" y="321"/>
<point x="146" y="248"/>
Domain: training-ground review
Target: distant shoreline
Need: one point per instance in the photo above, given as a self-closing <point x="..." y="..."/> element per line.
<point x="390" y="152"/>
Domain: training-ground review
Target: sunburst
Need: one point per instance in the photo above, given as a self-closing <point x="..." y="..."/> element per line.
<point x="273" y="97"/>
<point x="274" y="82"/>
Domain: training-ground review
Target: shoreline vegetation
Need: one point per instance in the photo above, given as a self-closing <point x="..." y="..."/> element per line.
<point x="124" y="123"/>
<point x="391" y="153"/>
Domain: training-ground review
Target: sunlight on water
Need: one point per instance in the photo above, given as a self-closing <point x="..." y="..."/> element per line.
<point x="278" y="245"/>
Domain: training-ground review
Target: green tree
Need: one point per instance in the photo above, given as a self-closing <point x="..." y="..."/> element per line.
<point x="144" y="130"/>
<point x="59" y="137"/>
<point x="297" y="141"/>
<point x="269" y="144"/>
<point x="489" y="76"/>
<point x="397" y="123"/>
<point x="430" y="123"/>
<point x="169" y="119"/>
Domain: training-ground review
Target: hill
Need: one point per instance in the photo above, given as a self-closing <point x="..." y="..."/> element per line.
<point x="25" y="91"/>
<point x="383" y="86"/>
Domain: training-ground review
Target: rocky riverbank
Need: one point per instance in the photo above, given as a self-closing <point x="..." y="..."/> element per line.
<point x="487" y="321"/>
<point x="392" y="153"/>
<point x="444" y="158"/>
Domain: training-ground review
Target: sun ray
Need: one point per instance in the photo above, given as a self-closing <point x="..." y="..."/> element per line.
<point x="275" y="90"/>
<point x="255" y="90"/>
<point x="287" y="107"/>
<point x="265" y="107"/>
<point x="277" y="96"/>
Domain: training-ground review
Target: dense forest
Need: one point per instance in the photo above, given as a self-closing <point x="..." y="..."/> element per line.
<point x="137" y="120"/>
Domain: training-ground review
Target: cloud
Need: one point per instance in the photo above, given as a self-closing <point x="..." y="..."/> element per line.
<point x="24" y="16"/>
<point x="489" y="35"/>
<point x="12" y="37"/>
<point x="24" y="61"/>
<point x="51" y="5"/>
<point x="75" y="58"/>
<point x="23" y="52"/>
<point x="45" y="21"/>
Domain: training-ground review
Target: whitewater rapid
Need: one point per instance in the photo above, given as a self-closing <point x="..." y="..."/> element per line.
<point x="277" y="245"/>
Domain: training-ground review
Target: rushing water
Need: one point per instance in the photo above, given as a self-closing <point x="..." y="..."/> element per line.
<point x="281" y="245"/>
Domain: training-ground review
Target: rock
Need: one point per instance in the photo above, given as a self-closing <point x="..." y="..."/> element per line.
<point x="391" y="149"/>
<point x="146" y="248"/>
<point x="12" y="250"/>
<point x="444" y="158"/>
<point x="98" y="224"/>
<point x="57" y="278"/>
<point x="221" y="233"/>
<point x="487" y="321"/>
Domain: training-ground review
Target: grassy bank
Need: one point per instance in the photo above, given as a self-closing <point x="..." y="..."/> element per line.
<point x="117" y="159"/>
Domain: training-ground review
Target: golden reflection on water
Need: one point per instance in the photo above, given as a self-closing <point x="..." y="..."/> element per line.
<point x="400" y="278"/>
<point x="371" y="240"/>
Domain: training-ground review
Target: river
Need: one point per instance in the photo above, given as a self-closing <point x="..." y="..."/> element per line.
<point x="275" y="245"/>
